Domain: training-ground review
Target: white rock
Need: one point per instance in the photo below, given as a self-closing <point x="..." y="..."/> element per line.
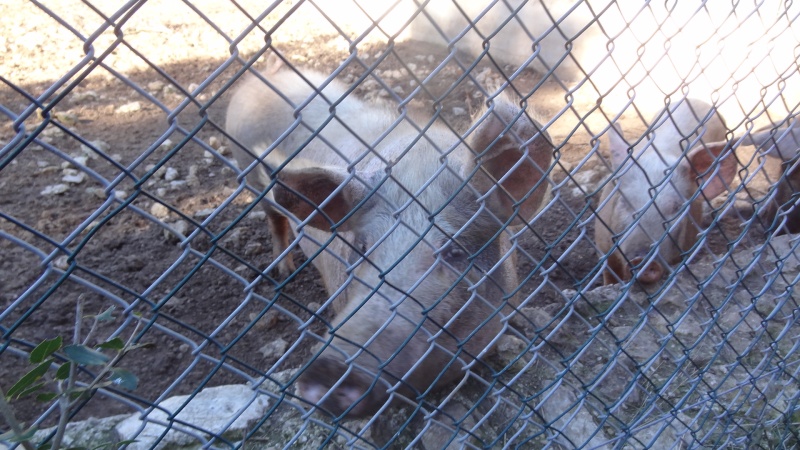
<point x="155" y="85"/>
<point x="159" y="211"/>
<point x="73" y="176"/>
<point x="203" y="213"/>
<point x="257" y="215"/>
<point x="96" y="191"/>
<point x="214" y="142"/>
<point x="166" y="144"/>
<point x="62" y="262"/>
<point x="81" y="97"/>
<point x="171" y="174"/>
<point x="120" y="195"/>
<point x="98" y="144"/>
<point x="211" y="409"/>
<point x="55" y="189"/>
<point x="274" y="349"/>
<point x="129" y="108"/>
<point x="177" y="184"/>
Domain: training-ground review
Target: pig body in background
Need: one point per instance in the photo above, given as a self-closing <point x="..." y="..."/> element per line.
<point x="420" y="268"/>
<point x="653" y="187"/>
<point x="783" y="144"/>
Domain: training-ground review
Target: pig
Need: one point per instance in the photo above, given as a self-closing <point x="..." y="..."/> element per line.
<point x="405" y="220"/>
<point x="782" y="144"/>
<point x="646" y="218"/>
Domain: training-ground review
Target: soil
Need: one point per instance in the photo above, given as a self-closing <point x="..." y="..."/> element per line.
<point x="87" y="246"/>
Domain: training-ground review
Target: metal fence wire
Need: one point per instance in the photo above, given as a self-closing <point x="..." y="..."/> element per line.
<point x="400" y="223"/>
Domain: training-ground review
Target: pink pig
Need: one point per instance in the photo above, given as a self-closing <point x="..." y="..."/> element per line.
<point x="646" y="218"/>
<point x="406" y="221"/>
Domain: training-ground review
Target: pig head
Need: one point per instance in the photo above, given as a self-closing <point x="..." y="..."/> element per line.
<point x="782" y="212"/>
<point x="410" y="235"/>
<point x="649" y="213"/>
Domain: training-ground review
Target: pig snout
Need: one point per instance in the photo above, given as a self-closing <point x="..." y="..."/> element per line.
<point x="341" y="389"/>
<point x="651" y="273"/>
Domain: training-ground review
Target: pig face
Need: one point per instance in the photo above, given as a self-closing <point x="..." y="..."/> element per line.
<point x="647" y="217"/>
<point x="432" y="271"/>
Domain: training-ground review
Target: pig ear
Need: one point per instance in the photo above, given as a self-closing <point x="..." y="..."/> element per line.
<point x="619" y="148"/>
<point x="702" y="160"/>
<point x="786" y="144"/>
<point x="517" y="157"/>
<point x="302" y="192"/>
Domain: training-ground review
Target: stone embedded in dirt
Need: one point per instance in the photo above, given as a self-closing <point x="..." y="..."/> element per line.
<point x="54" y="189"/>
<point x="212" y="409"/>
<point x="274" y="349"/>
<point x="73" y="176"/>
<point x="180" y="226"/>
<point x="97" y="144"/>
<point x="170" y="174"/>
<point x="166" y="144"/>
<point x="203" y="213"/>
<point x="52" y="132"/>
<point x="84" y="97"/>
<point x="96" y="191"/>
<point x="159" y="211"/>
<point x="257" y="215"/>
<point x="62" y="262"/>
<point x="155" y="86"/>
<point x="129" y="108"/>
<point x="214" y="142"/>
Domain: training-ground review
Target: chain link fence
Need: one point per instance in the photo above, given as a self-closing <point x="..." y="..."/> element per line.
<point x="399" y="224"/>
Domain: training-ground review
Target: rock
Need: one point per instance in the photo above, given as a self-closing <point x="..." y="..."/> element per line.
<point x="129" y="108"/>
<point x="84" y="97"/>
<point x="155" y="86"/>
<point x="159" y="211"/>
<point x="170" y="174"/>
<point x="214" y="142"/>
<point x="73" y="176"/>
<point x="509" y="348"/>
<point x="257" y="215"/>
<point x="99" y="145"/>
<point x="203" y="213"/>
<point x="179" y="226"/>
<point x="274" y="349"/>
<point x="89" y="433"/>
<point x="459" y="111"/>
<point x="211" y="409"/>
<point x="54" y="189"/>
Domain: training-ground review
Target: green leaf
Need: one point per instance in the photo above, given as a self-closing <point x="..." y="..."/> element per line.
<point x="29" y="378"/>
<point x="115" y="344"/>
<point x="106" y="316"/>
<point x="82" y="354"/>
<point x="63" y="372"/>
<point x="46" y="396"/>
<point x="45" y="349"/>
<point x="30" y="390"/>
<point x="124" y="378"/>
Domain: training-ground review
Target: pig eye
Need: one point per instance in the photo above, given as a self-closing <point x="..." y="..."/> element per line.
<point x="358" y="250"/>
<point x="454" y="253"/>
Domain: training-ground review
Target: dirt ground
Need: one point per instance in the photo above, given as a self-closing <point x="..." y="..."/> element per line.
<point x="119" y="252"/>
